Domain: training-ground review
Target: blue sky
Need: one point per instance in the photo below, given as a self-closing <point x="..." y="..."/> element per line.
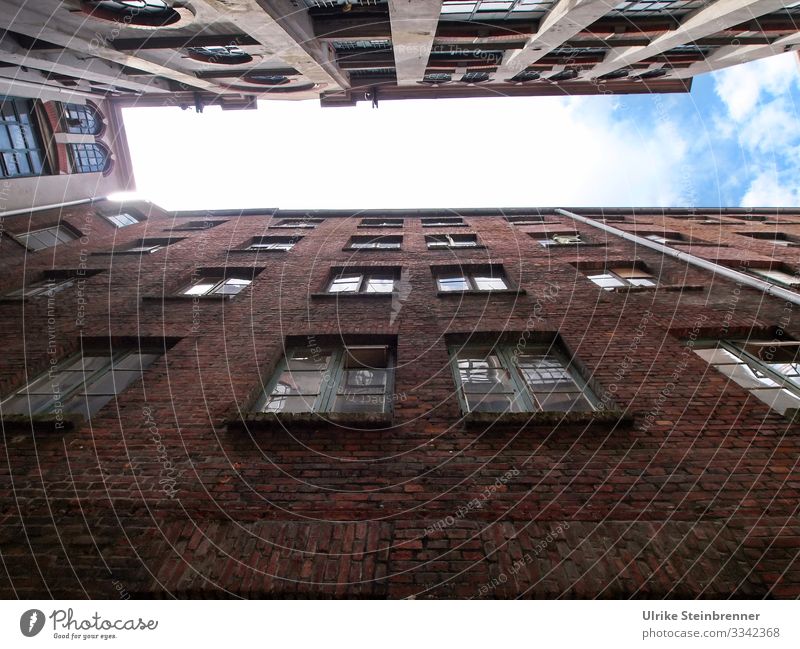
<point x="733" y="141"/>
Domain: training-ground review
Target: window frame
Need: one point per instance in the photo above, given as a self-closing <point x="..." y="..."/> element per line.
<point x="443" y="222"/>
<point x="24" y="117"/>
<point x="89" y="377"/>
<point x="89" y="164"/>
<point x="358" y="239"/>
<point x="626" y="283"/>
<point x="468" y="272"/>
<point x="23" y="237"/>
<point x="526" y="220"/>
<point x="375" y="222"/>
<point x="256" y="244"/>
<point x="216" y="282"/>
<point x="364" y="277"/>
<point x="753" y="362"/>
<point x="757" y="272"/>
<point x="329" y="388"/>
<point x="297" y="223"/>
<point x="86" y="113"/>
<point x="450" y="244"/>
<point x="110" y="218"/>
<point x="523" y="393"/>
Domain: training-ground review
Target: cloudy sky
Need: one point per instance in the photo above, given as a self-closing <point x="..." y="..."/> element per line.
<point x="733" y="141"/>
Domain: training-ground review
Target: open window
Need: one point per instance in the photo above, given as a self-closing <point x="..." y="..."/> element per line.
<point x="623" y="276"/>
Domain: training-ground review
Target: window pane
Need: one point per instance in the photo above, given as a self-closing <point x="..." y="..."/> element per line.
<point x="112" y="382"/>
<point x="356" y="402"/>
<point x="135" y="361"/>
<point x="279" y="403"/>
<point x="488" y="283"/>
<point x="629" y="271"/>
<point x="308" y="361"/>
<point x="746" y="376"/>
<point x="545" y="373"/>
<point x="564" y="402"/>
<point x="717" y="356"/>
<point x="201" y="288"/>
<point x="607" y="282"/>
<point x="363" y="382"/>
<point x="778" y="400"/>
<point x="232" y="286"/>
<point x="366" y="356"/>
<point x="296" y="382"/>
<point x="492" y="402"/>
<point x="345" y="284"/>
<point x="453" y="283"/>
<point x="379" y="285"/>
<point x="641" y="282"/>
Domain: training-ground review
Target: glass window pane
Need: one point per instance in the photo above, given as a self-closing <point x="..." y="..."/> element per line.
<point x="308" y="360"/>
<point x="778" y="400"/>
<point x="606" y="282"/>
<point x="746" y="376"/>
<point x="296" y="382"/>
<point x="641" y="282"/>
<point x="280" y="403"/>
<point x="488" y="283"/>
<point x="201" y="288"/>
<point x="492" y="402"/>
<point x="356" y="402"/>
<point x="231" y="286"/>
<point x="345" y="284"/>
<point x="363" y="381"/>
<point x="717" y="356"/>
<point x="629" y="271"/>
<point x="453" y="283"/>
<point x="380" y="285"/>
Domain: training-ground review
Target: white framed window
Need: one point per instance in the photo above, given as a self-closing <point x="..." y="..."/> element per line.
<point x="297" y="223"/>
<point x="622" y="276"/>
<point x="442" y="221"/>
<point x="376" y="243"/>
<point x="46" y="237"/>
<point x="531" y="219"/>
<point x="377" y="281"/>
<point x="497" y="378"/>
<point x="467" y="279"/>
<point x="571" y="239"/>
<point x="769" y="369"/>
<point x="121" y="220"/>
<point x="45" y="287"/>
<point x="447" y="241"/>
<point x="335" y="379"/>
<point x="273" y="243"/>
<point x="216" y="286"/>
<point x="381" y="223"/>
<point x="81" y="384"/>
<point x="777" y="276"/>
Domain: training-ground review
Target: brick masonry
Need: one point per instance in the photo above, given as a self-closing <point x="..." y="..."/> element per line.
<point x="693" y="495"/>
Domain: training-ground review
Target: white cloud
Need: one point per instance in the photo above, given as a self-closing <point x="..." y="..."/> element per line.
<point x="741" y="87"/>
<point x="445" y="153"/>
<point x="769" y="188"/>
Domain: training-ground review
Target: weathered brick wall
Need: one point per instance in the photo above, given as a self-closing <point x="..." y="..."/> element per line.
<point x="696" y="495"/>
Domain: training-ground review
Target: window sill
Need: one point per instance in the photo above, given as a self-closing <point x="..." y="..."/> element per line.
<point x="611" y="418"/>
<point x="351" y="296"/>
<point x="42" y="423"/>
<point x="662" y="287"/>
<point x="187" y="298"/>
<point x="446" y="225"/>
<point x="511" y="291"/>
<point x="456" y="248"/>
<point x="380" y="250"/>
<point x="238" y="251"/>
<point x="378" y="227"/>
<point x="299" y="420"/>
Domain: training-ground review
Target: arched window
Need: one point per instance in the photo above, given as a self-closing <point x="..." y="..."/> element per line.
<point x="82" y="119"/>
<point x="21" y="152"/>
<point x="90" y="158"/>
<point x="150" y="13"/>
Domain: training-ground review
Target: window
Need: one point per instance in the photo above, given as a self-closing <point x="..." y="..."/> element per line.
<point x="216" y="286"/>
<point x="220" y="54"/>
<point x="297" y="223"/>
<point x="273" y="243"/>
<point x="46" y="237"/>
<point x="525" y="220"/>
<point x="777" y="276"/>
<point x="122" y="220"/>
<point x="21" y="152"/>
<point x="499" y="379"/>
<point x="349" y="379"/>
<point x="776" y="238"/>
<point x="90" y="158"/>
<point x="81" y="384"/>
<point x="368" y="281"/>
<point x="446" y="241"/>
<point x="570" y="239"/>
<point x="198" y="225"/>
<point x="442" y="222"/>
<point x="381" y="223"/>
<point x="45" y="287"/>
<point x="80" y="118"/>
<point x="148" y="245"/>
<point x="149" y="13"/>
<point x="667" y="238"/>
<point x="375" y="243"/>
<point x="770" y="370"/>
<point x="622" y="276"/>
<point x="472" y="279"/>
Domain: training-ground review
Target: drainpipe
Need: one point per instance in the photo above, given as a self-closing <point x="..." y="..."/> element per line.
<point x="28" y="210"/>
<point x="748" y="280"/>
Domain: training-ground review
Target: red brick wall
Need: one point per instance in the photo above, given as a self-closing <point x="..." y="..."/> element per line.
<point x="698" y="500"/>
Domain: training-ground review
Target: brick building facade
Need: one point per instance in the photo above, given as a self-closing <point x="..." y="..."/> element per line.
<point x="671" y="476"/>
